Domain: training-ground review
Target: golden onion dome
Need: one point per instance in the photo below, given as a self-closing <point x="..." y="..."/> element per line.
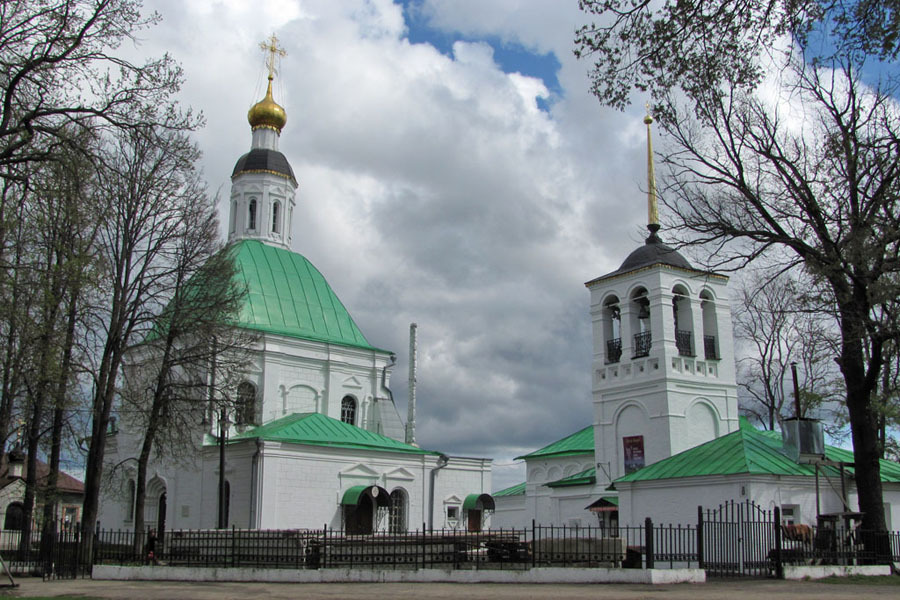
<point x="267" y="112"/>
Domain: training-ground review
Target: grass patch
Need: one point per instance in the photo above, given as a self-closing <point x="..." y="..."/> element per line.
<point x="863" y="580"/>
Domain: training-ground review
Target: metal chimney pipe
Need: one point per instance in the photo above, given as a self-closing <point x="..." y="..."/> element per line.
<point x="796" y="390"/>
<point x="411" y="404"/>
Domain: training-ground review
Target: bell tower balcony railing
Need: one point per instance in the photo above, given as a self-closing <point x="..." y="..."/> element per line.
<point x="709" y="347"/>
<point x="683" y="342"/>
<point x="614" y="350"/>
<point x="641" y="344"/>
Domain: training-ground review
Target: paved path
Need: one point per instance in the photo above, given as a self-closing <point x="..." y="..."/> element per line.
<point x="729" y="590"/>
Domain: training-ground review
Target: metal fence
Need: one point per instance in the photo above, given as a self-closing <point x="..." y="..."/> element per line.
<point x="439" y="548"/>
<point x="735" y="539"/>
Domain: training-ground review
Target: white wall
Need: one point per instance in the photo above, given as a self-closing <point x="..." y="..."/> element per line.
<point x="676" y="500"/>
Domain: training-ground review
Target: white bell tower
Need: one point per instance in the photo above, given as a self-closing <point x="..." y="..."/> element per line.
<point x="263" y="186"/>
<point x="663" y="374"/>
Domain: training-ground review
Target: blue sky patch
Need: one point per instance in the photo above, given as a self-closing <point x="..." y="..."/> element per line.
<point x="510" y="57"/>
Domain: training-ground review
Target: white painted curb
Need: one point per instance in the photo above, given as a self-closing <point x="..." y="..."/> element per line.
<point x="537" y="575"/>
<point x="822" y="571"/>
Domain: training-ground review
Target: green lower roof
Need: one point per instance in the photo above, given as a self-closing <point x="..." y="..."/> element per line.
<point x="586" y="477"/>
<point x="746" y="451"/>
<point x="287" y="295"/>
<point x="314" y="429"/>
<point x="514" y="490"/>
<point x="580" y="442"/>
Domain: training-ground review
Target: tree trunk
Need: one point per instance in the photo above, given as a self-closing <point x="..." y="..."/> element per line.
<point x="862" y="411"/>
<point x="51" y="502"/>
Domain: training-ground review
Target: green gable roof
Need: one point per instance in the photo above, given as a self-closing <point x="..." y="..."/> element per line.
<point x="586" y="477"/>
<point x="314" y="429"/>
<point x="746" y="450"/>
<point x="580" y="442"/>
<point x="287" y="295"/>
<point x="515" y="490"/>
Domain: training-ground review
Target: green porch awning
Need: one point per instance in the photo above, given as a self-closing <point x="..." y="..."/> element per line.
<point x="472" y="502"/>
<point x="604" y="504"/>
<point x="378" y="494"/>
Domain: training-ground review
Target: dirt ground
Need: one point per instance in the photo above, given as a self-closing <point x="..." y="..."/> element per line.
<point x="729" y="590"/>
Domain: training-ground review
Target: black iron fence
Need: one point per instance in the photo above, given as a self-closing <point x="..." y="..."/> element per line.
<point x="735" y="539"/>
<point x="439" y="548"/>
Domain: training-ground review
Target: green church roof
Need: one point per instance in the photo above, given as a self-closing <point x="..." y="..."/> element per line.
<point x="580" y="442"/>
<point x="315" y="429"/>
<point x="514" y="490"/>
<point x="287" y="295"/>
<point x="746" y="450"/>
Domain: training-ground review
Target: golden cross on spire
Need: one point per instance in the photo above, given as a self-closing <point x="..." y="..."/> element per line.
<point x="271" y="46"/>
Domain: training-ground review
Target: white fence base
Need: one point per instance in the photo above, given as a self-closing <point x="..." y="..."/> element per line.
<point x="822" y="571"/>
<point x="537" y="575"/>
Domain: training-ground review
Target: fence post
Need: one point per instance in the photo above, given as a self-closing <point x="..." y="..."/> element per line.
<point x="648" y="542"/>
<point x="323" y="560"/>
<point x="423" y="545"/>
<point x="779" y="565"/>
<point x="534" y="544"/>
<point x="699" y="537"/>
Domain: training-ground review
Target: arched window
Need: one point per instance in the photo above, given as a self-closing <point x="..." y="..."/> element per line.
<point x="251" y="216"/>
<point x="132" y="492"/>
<point x="233" y="216"/>
<point x="15" y="517"/>
<point x="397" y="522"/>
<point x="246" y="400"/>
<point x="348" y="410"/>
<point x="276" y="213"/>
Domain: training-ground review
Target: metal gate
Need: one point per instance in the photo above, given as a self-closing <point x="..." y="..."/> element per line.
<point x="737" y="539"/>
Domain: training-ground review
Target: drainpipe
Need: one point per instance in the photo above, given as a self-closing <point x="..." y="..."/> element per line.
<point x="384" y="385"/>
<point x="442" y="461"/>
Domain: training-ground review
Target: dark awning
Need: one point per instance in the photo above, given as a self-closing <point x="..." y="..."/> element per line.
<point x="379" y="495"/>
<point x="478" y="502"/>
<point x="604" y="504"/>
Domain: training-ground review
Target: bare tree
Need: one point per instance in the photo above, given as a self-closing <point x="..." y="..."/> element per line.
<point x="148" y="178"/>
<point x="776" y="143"/>
<point x="169" y="380"/>
<point x="59" y="72"/>
<point x="777" y="328"/>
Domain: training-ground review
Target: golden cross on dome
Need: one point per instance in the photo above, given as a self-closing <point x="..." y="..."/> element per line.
<point x="271" y="46"/>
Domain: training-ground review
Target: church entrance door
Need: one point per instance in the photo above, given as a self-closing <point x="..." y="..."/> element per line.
<point x="360" y="518"/>
<point x="474" y="520"/>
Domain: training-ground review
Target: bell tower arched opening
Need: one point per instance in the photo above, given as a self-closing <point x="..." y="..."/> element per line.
<point x="640" y="322"/>
<point x="684" y="321"/>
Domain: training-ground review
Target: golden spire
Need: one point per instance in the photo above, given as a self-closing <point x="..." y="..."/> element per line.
<point x="652" y="209"/>
<point x="266" y="112"/>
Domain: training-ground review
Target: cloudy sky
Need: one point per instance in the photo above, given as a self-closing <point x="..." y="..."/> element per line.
<point x="454" y="172"/>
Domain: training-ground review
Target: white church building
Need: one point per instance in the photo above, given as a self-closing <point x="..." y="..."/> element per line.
<point x="666" y="436"/>
<point x="318" y="440"/>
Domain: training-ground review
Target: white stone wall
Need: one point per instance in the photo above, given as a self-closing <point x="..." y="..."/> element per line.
<point x="676" y="500"/>
<point x="510" y="512"/>
<point x="295" y="375"/>
<point x="285" y="486"/>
